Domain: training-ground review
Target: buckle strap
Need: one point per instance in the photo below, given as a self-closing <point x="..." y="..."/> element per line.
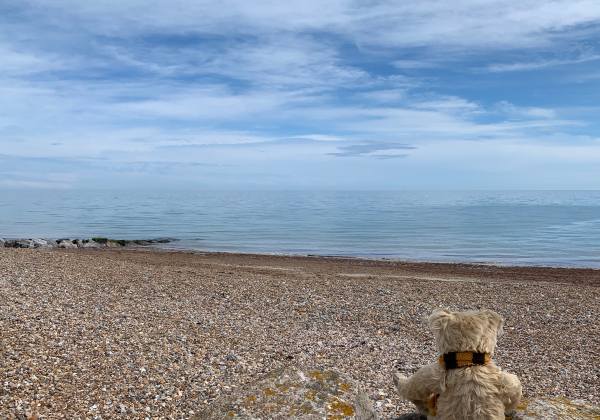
<point x="461" y="359"/>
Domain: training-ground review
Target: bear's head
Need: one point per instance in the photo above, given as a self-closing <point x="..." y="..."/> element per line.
<point x="474" y="331"/>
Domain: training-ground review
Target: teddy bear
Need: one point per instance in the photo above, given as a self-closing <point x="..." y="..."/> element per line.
<point x="464" y="383"/>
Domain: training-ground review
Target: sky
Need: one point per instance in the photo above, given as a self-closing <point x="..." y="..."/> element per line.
<point x="311" y="94"/>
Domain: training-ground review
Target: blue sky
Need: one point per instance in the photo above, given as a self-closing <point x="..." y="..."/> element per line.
<point x="300" y="94"/>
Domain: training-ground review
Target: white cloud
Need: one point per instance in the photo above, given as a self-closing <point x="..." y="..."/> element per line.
<point x="449" y="104"/>
<point x="415" y="64"/>
<point x="153" y="83"/>
<point x="513" y="111"/>
<point x="384" y="95"/>
<point x="462" y="22"/>
<point x="15" y="62"/>
<point x="202" y="104"/>
<point x="535" y="65"/>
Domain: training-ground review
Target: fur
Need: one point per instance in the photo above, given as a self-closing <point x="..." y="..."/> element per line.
<point x="471" y="393"/>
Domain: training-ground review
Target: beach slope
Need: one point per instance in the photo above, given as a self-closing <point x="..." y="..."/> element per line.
<point x="113" y="333"/>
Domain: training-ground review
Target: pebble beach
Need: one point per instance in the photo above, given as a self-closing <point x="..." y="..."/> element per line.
<point x="87" y="333"/>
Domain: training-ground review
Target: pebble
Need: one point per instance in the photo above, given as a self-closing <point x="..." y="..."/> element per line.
<point x="194" y="327"/>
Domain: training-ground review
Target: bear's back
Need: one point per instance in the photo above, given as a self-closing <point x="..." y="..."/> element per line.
<point x="471" y="393"/>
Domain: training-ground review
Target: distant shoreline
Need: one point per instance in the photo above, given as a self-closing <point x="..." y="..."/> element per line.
<point x="399" y="260"/>
<point x="161" y="245"/>
<point x="432" y="270"/>
<point x="447" y="271"/>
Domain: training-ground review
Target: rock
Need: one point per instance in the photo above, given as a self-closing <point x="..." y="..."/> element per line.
<point x="24" y="243"/>
<point x="66" y="243"/>
<point x="28" y="243"/>
<point x="116" y="243"/>
<point x="43" y="243"/>
<point x="92" y="244"/>
<point x="555" y="408"/>
<point x="10" y="243"/>
<point x="79" y="243"/>
<point x="18" y="243"/>
<point x="295" y="392"/>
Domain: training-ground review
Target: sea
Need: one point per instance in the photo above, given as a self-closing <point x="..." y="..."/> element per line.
<point x="532" y="228"/>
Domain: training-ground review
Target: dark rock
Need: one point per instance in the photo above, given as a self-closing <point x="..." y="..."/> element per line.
<point x="66" y="243"/>
<point x="18" y="243"/>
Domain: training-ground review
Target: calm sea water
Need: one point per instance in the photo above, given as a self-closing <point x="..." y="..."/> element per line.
<point x="555" y="228"/>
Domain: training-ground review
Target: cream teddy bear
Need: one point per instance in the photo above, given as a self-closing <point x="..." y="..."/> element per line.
<point x="464" y="384"/>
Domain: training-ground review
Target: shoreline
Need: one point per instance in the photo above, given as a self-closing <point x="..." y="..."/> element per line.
<point x="375" y="258"/>
<point x="118" y="332"/>
<point x="378" y="258"/>
<point x="446" y="270"/>
<point x="162" y="244"/>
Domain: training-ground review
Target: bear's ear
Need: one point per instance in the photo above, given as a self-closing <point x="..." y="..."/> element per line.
<point x="495" y="320"/>
<point x="439" y="319"/>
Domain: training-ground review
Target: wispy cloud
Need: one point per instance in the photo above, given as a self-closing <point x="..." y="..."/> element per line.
<point x="464" y="22"/>
<point x="198" y="90"/>
<point x="541" y="64"/>
<point x="379" y="150"/>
